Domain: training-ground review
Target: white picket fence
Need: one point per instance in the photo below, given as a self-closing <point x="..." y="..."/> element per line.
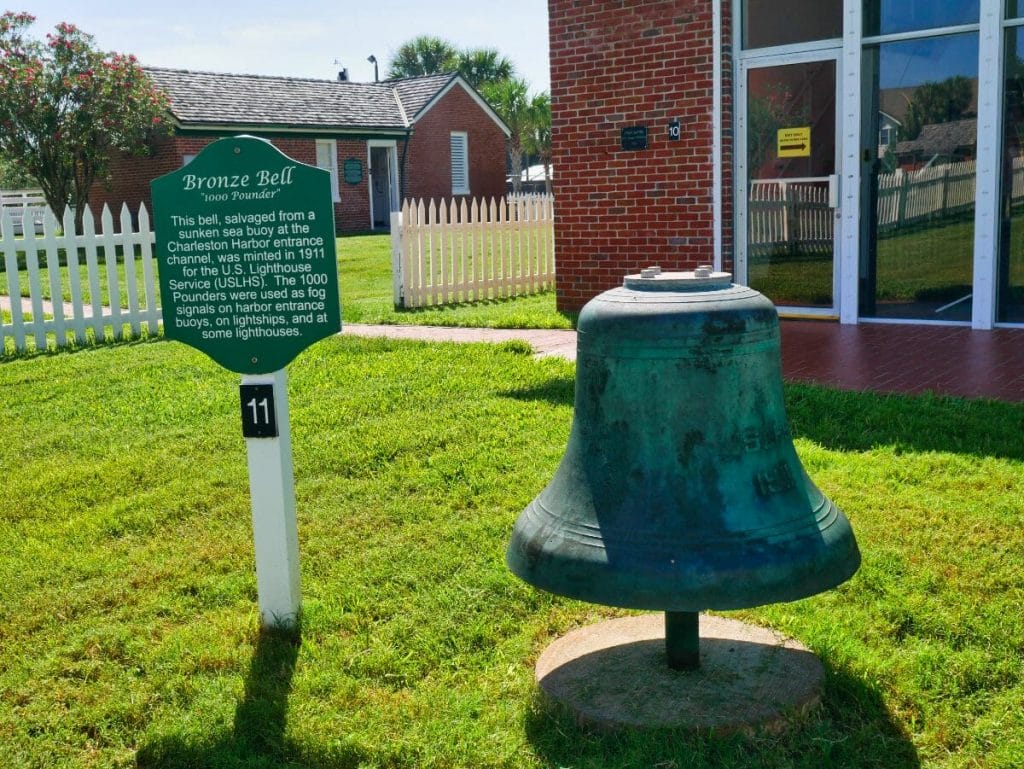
<point x="24" y="205"/>
<point x="910" y="197"/>
<point x="461" y="252"/>
<point x="794" y="215"/>
<point x="62" y="287"/>
<point x="790" y="214"/>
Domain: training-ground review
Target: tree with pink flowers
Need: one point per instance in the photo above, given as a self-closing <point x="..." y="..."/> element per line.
<point x="67" y="108"/>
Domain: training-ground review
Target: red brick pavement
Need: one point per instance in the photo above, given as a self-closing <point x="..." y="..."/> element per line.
<point x="947" y="360"/>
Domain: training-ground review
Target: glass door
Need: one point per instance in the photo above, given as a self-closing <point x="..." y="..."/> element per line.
<point x="921" y="102"/>
<point x="788" y="216"/>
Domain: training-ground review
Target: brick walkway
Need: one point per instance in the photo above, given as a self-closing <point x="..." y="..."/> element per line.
<point x="947" y="360"/>
<point x="950" y="360"/>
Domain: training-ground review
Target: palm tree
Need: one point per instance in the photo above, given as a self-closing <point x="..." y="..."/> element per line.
<point x="423" y="55"/>
<point x="537" y="140"/>
<point x="484" y="65"/>
<point x="508" y="98"/>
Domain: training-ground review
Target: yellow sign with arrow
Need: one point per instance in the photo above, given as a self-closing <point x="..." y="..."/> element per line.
<point x="794" y="142"/>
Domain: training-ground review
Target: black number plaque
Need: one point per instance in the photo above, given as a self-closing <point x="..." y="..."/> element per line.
<point x="259" y="416"/>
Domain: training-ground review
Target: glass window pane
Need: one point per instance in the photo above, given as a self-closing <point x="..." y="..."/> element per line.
<point x="886" y="17"/>
<point x="1010" y="302"/>
<point x="791" y="149"/>
<point x="1014" y="9"/>
<point x="782" y="22"/>
<point x="921" y="186"/>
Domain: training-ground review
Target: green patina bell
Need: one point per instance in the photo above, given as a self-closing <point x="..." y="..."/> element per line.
<point x="680" y="489"/>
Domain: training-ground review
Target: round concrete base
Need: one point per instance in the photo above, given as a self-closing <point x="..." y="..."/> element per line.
<point x="614" y="674"/>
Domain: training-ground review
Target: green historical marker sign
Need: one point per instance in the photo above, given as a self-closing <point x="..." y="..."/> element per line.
<point x="353" y="170"/>
<point x="246" y="253"/>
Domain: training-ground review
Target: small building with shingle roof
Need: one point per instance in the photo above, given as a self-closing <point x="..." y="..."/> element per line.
<point x="949" y="142"/>
<point x="422" y="137"/>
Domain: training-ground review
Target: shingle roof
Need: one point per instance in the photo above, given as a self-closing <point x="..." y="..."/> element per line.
<point x="210" y="98"/>
<point x="416" y="92"/>
<point x="942" y="138"/>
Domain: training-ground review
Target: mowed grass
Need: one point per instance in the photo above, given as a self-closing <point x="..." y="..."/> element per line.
<point x="932" y="263"/>
<point x="364" y="263"/>
<point x="63" y="276"/>
<point x="929" y="263"/>
<point x="128" y="622"/>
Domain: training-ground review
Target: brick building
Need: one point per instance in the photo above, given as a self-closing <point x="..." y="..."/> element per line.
<point x="616" y="68"/>
<point x="425" y="137"/>
<point x="767" y="138"/>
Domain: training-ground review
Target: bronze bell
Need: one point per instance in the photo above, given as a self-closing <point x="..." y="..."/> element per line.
<point x="680" y="489"/>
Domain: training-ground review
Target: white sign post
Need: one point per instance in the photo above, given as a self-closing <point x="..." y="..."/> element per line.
<point x="249" y="276"/>
<point x="272" y="489"/>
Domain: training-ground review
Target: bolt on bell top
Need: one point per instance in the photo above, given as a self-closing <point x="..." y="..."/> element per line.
<point x="680" y="488"/>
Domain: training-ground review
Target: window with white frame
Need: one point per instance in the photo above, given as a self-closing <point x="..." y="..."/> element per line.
<point x="327" y="158"/>
<point x="460" y="162"/>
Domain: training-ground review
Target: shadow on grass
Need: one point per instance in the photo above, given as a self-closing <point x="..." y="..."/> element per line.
<point x="852" y="729"/>
<point x="8" y="353"/>
<point x="499" y="301"/>
<point x="259" y="739"/>
<point x="852" y="421"/>
<point x="558" y="391"/>
<point x="861" y="421"/>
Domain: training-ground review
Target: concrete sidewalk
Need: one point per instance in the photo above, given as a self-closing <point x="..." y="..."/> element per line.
<point x="48" y="307"/>
<point x="545" y="342"/>
<point x="560" y="342"/>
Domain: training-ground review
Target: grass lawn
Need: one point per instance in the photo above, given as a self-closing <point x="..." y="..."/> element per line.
<point x="128" y="623"/>
<point x="366" y="293"/>
<point x="83" y="280"/>
<point x="366" y="296"/>
<point x="931" y="263"/>
<point x="800" y="279"/>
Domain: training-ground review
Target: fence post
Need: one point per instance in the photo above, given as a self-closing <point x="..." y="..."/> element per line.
<point x="10" y="256"/>
<point x="146" y="242"/>
<point x="903" y="192"/>
<point x="788" y="231"/>
<point x="945" y="190"/>
<point x="397" y="272"/>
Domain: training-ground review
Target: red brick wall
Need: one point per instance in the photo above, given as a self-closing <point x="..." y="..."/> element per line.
<point x="615" y="65"/>
<point x="131" y="177"/>
<point x="352" y="214"/>
<point x="428" y="167"/>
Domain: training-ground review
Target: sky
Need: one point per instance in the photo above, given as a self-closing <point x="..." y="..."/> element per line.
<point x="301" y="39"/>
